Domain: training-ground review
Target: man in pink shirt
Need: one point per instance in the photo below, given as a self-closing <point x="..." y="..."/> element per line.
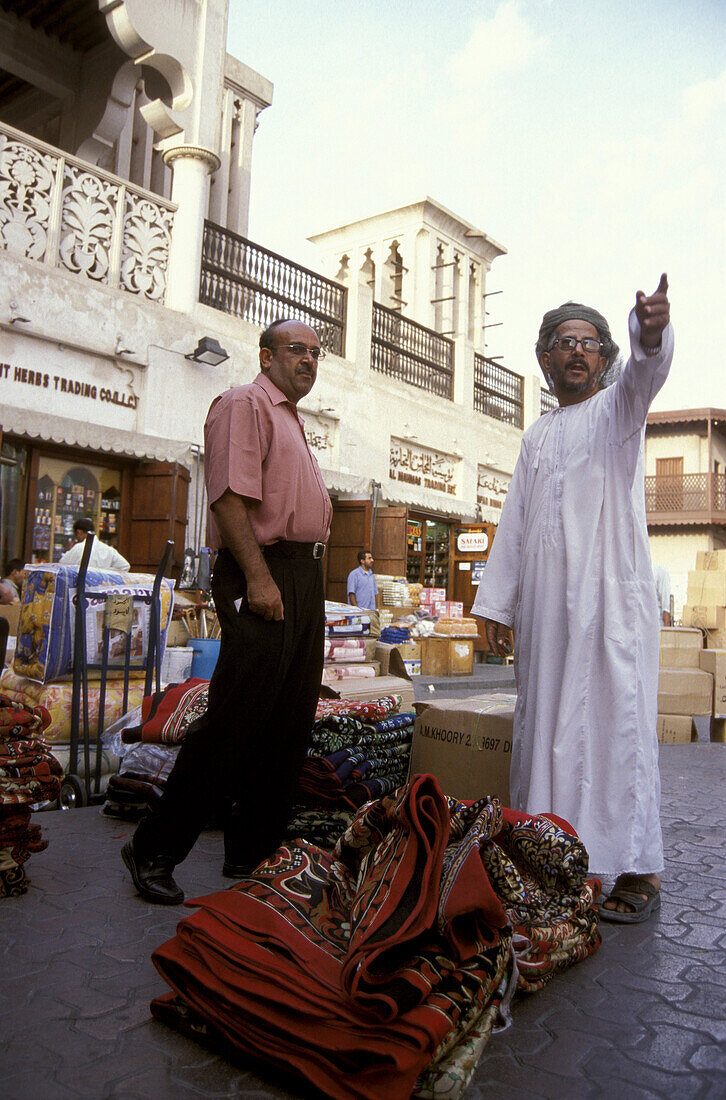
<point x="269" y="519"/>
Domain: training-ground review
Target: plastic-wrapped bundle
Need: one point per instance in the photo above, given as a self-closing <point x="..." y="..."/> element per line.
<point x="44" y="649"/>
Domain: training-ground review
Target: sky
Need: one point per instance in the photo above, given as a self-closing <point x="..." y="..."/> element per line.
<point x="586" y="138"/>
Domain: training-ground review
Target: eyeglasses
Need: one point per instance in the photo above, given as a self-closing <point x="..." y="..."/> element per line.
<point x="569" y="343"/>
<point x="302" y="349"/>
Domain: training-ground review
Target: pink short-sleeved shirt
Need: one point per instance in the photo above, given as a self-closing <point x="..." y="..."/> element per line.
<point x="254" y="444"/>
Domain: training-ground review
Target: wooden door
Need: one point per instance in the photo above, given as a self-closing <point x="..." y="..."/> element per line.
<point x="669" y="484"/>
<point x="389" y="541"/>
<point x="158" y="513"/>
<point x="350" y="531"/>
<point x="464" y="565"/>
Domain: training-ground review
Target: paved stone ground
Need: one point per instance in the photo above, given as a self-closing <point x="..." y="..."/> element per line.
<point x="644" y="1017"/>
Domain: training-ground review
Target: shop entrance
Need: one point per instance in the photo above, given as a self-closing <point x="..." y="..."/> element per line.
<point x="355" y="527"/>
<point x="428" y="552"/>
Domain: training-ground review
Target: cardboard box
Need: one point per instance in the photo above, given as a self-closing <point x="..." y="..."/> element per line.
<point x="716" y="639"/>
<point x="467" y="745"/>
<point x="714" y="661"/>
<point x="673" y="657"/>
<point x="718" y="729"/>
<point x="675" y="729"/>
<point x="705" y="617"/>
<point x="11" y="612"/>
<point x="711" y="559"/>
<point x="371" y="688"/>
<point x="676" y="637"/>
<point x="410" y="651"/>
<point x="685" y="691"/>
<point x="413" y="668"/>
<point x="447" y="656"/>
<point x="706" y="586"/>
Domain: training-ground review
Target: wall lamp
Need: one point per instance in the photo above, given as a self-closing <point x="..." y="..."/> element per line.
<point x="208" y="351"/>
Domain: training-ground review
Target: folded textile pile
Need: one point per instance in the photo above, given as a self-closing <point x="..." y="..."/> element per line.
<point x="29" y="773"/>
<point x="167" y="714"/>
<point x="392" y="635"/>
<point x="348" y="630"/>
<point x="165" y="717"/>
<point x="359" y="751"/>
<point x="140" y="781"/>
<point x="378" y="970"/>
<point x="346" y="657"/>
<point x="345" y="620"/>
<point x="56" y="697"/>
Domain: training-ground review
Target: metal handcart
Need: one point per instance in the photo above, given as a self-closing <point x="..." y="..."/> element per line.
<point x="81" y="786"/>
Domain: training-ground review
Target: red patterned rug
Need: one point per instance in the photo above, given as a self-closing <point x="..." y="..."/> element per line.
<point x="376" y="970"/>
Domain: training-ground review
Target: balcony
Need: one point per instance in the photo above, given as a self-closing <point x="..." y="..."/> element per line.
<point x="405" y="350"/>
<point x="498" y="392"/>
<point x="68" y="214"/>
<point x="686" y="499"/>
<point x="547" y="401"/>
<point x="258" y="286"/>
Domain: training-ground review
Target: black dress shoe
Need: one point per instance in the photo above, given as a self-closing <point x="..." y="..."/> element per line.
<point x="152" y="877"/>
<point x="238" y="870"/>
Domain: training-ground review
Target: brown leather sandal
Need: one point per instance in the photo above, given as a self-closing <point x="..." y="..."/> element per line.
<point x="628" y="889"/>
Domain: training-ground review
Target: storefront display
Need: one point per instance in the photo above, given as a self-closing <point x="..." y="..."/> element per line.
<point x="65" y="491"/>
<point x="428" y="545"/>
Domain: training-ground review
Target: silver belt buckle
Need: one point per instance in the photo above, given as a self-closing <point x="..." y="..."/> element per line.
<point x="318" y="549"/>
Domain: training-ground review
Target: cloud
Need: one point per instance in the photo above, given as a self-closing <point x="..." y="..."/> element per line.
<point x="498" y="45"/>
<point x="702" y="100"/>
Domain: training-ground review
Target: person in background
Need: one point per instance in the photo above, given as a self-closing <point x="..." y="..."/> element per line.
<point x="13" y="581"/>
<point x="663" y="591"/>
<point x="361" y="587"/>
<point x="570" y="569"/>
<point x="103" y="556"/>
<point x="269" y="519"/>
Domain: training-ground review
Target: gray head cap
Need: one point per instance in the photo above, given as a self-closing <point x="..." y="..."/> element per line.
<point x="575" y="311"/>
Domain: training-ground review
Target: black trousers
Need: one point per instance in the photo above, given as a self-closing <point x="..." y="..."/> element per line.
<point x="241" y="761"/>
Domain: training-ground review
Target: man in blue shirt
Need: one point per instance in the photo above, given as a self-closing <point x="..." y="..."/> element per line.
<point x="361" y="587"/>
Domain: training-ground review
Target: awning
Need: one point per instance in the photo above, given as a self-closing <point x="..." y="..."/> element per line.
<point x="96" y="437"/>
<point x="337" y="481"/>
<point x="428" y="500"/>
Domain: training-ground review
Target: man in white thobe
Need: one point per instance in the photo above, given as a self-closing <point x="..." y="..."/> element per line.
<point x="570" y="571"/>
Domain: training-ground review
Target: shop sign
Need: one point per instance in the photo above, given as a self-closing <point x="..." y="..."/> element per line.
<point x="27" y="382"/>
<point x="477" y="571"/>
<point x="472" y="542"/>
<point x="421" y="466"/>
<point x="491" y="489"/>
<point x="320" y="434"/>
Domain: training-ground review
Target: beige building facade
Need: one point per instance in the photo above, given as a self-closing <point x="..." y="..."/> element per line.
<point x="126" y="137"/>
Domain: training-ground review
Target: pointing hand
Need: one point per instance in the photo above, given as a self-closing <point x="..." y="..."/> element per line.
<point x="653" y="314"/>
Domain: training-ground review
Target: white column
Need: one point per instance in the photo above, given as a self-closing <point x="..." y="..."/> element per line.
<point x="464" y="374"/>
<point x="358" y="324"/>
<point x="532" y="389"/>
<point x="190" y="191"/>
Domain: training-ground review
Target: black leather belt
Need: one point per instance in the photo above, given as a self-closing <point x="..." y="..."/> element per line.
<point x="286" y="549"/>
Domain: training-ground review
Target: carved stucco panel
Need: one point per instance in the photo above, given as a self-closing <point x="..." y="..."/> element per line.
<point x="145" y="249"/>
<point x="27" y="179"/>
<point x="87" y="219"/>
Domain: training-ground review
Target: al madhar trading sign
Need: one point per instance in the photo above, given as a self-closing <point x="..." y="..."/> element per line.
<point x="491" y="489"/>
<point x="423" y="466"/>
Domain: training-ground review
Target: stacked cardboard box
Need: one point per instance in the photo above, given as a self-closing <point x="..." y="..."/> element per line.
<point x="466" y="744"/>
<point x="706" y="597"/>
<point x="684" y="687"/>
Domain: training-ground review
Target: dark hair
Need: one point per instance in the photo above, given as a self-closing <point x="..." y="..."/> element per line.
<point x="266" y="339"/>
<point x="83" y="523"/>
<point x="362" y="554"/>
<point x="12" y="564"/>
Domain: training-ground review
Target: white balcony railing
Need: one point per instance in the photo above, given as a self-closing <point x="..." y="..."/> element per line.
<point x="66" y="213"/>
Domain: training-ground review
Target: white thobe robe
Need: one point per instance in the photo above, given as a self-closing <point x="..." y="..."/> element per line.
<point x="570" y="570"/>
